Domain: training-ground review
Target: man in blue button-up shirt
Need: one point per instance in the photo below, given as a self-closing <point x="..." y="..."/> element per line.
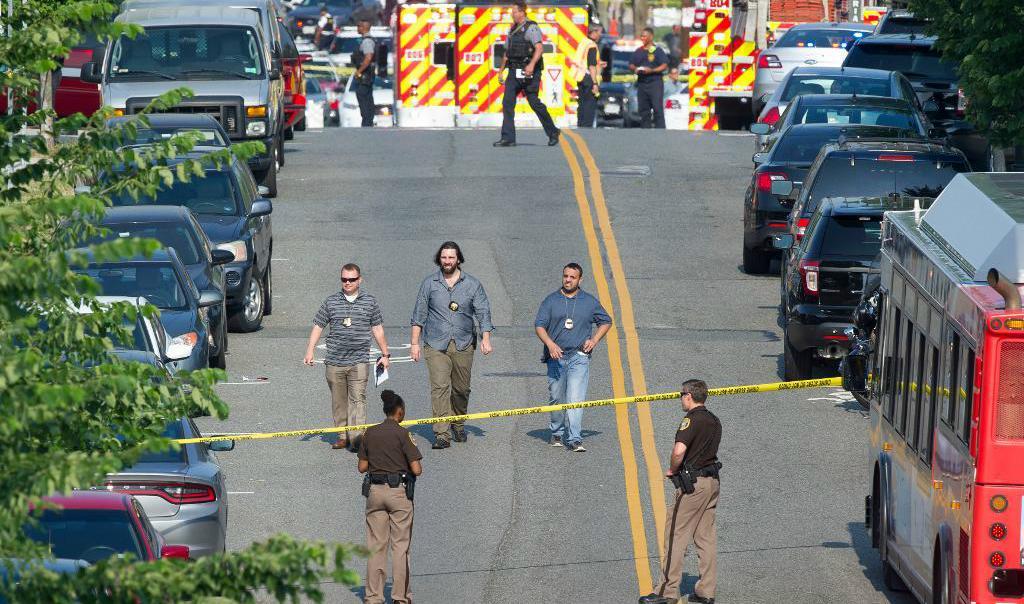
<point x="448" y="302"/>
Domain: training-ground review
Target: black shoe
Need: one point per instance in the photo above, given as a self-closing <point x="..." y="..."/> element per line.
<point x="700" y="599"/>
<point x="553" y="140"/>
<point x="504" y="143"/>
<point x="459" y="435"/>
<point x="653" y="598"/>
<point x="441" y="443"/>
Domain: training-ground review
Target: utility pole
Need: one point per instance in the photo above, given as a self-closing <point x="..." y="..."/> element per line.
<point x="641" y="12"/>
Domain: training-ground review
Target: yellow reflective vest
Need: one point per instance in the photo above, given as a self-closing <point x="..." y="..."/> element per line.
<point x="579" y="62"/>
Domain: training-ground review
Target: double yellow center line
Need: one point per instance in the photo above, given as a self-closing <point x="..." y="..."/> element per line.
<point x="627" y="323"/>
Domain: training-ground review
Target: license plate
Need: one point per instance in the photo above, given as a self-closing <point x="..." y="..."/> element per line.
<point x="308" y="29"/>
<point x="612" y="109"/>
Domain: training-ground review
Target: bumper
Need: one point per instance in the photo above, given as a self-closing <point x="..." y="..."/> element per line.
<point x="760" y="236"/>
<point x="199" y="526"/>
<point x="236" y="277"/>
<point x="199" y="359"/>
<point x="820" y="328"/>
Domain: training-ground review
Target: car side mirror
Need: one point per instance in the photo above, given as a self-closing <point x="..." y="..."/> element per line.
<point x="758" y="158"/>
<point x="261" y="207"/>
<point x="760" y="128"/>
<point x="263" y="190"/>
<point x="783" y="241"/>
<point x="781" y="188"/>
<point x="929" y="106"/>
<point x="211" y="297"/>
<point x="275" y="69"/>
<point x="228" y="444"/>
<point x="222" y="256"/>
<point x="179" y="552"/>
<point x="91" y="73"/>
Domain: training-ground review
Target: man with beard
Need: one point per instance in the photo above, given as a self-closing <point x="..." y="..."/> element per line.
<point x="564" y="324"/>
<point x="448" y="302"/>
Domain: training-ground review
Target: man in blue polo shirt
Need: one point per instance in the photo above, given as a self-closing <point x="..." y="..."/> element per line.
<point x="649" y="63"/>
<point x="565" y="324"/>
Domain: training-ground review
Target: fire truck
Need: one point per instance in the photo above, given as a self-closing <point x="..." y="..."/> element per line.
<point x="448" y="59"/>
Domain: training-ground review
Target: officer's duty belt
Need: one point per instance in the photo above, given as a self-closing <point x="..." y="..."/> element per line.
<point x="394" y="479"/>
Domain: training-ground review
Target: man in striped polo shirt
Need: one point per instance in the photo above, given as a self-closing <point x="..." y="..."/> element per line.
<point x="354" y="317"/>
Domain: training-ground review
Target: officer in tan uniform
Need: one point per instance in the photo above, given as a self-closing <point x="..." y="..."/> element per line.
<point x="389" y="458"/>
<point x="694" y="471"/>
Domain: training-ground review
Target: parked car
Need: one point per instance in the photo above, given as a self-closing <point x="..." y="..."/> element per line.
<point x="165" y="125"/>
<point x="302" y="19"/>
<point x="788" y="158"/>
<point x="618" y="104"/>
<point x="182" y="490"/>
<point x="317" y="96"/>
<point x="178" y="228"/>
<point x="268" y="12"/>
<point x="71" y="94"/>
<point x="294" y="83"/>
<point x="806" y="44"/>
<point x="235" y="217"/>
<point x="149" y="341"/>
<point x="901" y="21"/>
<point x="96" y="525"/>
<point x="934" y="80"/>
<point x="221" y="54"/>
<point x="835" y="80"/>
<point x="163" y="280"/>
<point x="383" y="100"/>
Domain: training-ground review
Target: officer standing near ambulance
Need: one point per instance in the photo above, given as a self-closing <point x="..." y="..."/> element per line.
<point x="693" y="469"/>
<point x="649" y="63"/>
<point x="364" y="59"/>
<point x="523" y="58"/>
<point x="391" y="462"/>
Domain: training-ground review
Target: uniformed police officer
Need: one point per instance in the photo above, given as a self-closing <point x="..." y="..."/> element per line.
<point x="523" y="58"/>
<point x="694" y="470"/>
<point x="364" y="60"/>
<point x="649" y="64"/>
<point x="389" y="458"/>
<point x="587" y="77"/>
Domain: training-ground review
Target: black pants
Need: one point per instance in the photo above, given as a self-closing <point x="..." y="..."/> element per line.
<point x="364" y="94"/>
<point x="650" y="96"/>
<point x="508" y="106"/>
<point x="587" y="111"/>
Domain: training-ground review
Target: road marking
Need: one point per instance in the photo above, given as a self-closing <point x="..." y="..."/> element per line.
<point x="629" y="465"/>
<point x="655" y="475"/>
<point x="241" y="492"/>
<point x="246" y="383"/>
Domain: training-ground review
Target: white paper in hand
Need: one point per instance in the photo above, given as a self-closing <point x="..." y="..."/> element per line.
<point x="380" y="374"/>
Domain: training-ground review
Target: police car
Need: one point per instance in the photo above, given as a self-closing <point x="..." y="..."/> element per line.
<point x="346" y="41"/>
<point x="383" y="100"/>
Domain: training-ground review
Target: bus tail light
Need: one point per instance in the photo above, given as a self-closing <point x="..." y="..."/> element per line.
<point x="1009" y="407"/>
<point x="998" y="503"/>
<point x="997" y="559"/>
<point x="997" y="531"/>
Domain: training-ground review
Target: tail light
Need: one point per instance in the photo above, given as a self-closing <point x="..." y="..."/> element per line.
<point x="801" y="227"/>
<point x="891" y="157"/>
<point x="997" y="531"/>
<point x="672" y="104"/>
<point x="809" y="277"/>
<point x="771" y="116"/>
<point x="997" y="559"/>
<point x="299" y="99"/>
<point x="78" y="57"/>
<point x="178" y="493"/>
<point x="767" y="61"/>
<point x="961" y="103"/>
<point x="298" y="22"/>
<point x="765" y="179"/>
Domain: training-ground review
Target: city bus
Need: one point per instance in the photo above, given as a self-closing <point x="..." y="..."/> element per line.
<point x="943" y="379"/>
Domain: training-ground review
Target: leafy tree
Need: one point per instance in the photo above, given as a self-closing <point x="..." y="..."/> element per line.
<point x="984" y="38"/>
<point x="70" y="412"/>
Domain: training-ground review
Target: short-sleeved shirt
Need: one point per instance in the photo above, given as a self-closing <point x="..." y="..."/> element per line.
<point x="645" y="57"/>
<point x="348" y="341"/>
<point x="701" y="432"/>
<point x="583" y="309"/>
<point x="388" y="448"/>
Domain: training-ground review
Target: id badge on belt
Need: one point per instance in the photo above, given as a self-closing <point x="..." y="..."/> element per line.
<point x="521" y="74"/>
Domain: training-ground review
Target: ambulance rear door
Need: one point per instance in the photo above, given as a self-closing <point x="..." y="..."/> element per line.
<point x="425" y="71"/>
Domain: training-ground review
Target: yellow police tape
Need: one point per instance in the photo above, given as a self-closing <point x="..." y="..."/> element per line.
<point x="626" y="400"/>
<point x="342" y="71"/>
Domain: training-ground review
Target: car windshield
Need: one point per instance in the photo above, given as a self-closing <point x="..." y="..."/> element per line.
<point x="903" y="25"/>
<point x="208" y="136"/>
<point x="215" y="194"/>
<point x="800" y="85"/>
<point x="868" y="177"/>
<point x="156" y="281"/>
<point x="169" y="455"/>
<point x="188" y="53"/>
<point x="915" y="62"/>
<point x="170" y="234"/>
<point x="819" y="38"/>
<point x="851" y="237"/>
<point x="802" y="147"/>
<point x="620" y="61"/>
<point x="90" y="535"/>
<point x="892" y="117"/>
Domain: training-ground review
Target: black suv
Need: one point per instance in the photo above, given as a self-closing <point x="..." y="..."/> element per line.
<point x="826" y="274"/>
<point x="236" y="217"/>
<point x="788" y="158"/>
<point x="898" y="21"/>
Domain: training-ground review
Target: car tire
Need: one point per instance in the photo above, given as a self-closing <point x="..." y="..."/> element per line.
<point x="268" y="291"/>
<point x="300" y="126"/>
<point x="280" y="152"/>
<point x="289" y="134"/>
<point x="219" y="361"/>
<point x="755" y="261"/>
<point x="249" y="318"/>
<point x="269" y="179"/>
<point x="797" y="363"/>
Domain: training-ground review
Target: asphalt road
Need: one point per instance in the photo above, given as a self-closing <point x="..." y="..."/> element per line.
<point x="505" y="517"/>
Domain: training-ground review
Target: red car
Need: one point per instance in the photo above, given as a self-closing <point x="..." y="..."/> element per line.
<point x="72" y="94"/>
<point x="294" y="83"/>
<point x="95" y="525"/>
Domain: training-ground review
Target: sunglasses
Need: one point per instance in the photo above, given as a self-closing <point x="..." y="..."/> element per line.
<point x="349" y="279"/>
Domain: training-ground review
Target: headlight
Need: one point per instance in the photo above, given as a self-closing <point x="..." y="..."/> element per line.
<point x="186" y="339"/>
<point x="118" y="112"/>
<point x="235" y="247"/>
<point x="258" y="128"/>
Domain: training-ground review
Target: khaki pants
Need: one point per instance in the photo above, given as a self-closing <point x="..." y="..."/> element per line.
<point x="450" y="371"/>
<point x="388" y="526"/>
<point x="348" y="395"/>
<point x="691" y="518"/>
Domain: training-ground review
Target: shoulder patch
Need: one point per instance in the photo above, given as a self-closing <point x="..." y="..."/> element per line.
<point x="685" y="424"/>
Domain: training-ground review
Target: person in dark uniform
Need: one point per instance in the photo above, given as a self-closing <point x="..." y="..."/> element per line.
<point x="587" y="77"/>
<point x="364" y="59"/>
<point x="649" y="64"/>
<point x="389" y="458"/>
<point x="523" y="58"/>
<point x="693" y="468"/>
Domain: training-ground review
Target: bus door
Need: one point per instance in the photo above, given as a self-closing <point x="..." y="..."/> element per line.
<point x="425" y="36"/>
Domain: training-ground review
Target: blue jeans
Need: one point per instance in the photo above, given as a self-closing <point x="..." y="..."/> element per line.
<point x="567" y="383"/>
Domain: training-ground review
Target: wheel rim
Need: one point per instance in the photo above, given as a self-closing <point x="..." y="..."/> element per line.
<point x="253" y="301"/>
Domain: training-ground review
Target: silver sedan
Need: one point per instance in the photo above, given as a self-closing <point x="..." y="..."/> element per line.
<point x="818" y="44"/>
